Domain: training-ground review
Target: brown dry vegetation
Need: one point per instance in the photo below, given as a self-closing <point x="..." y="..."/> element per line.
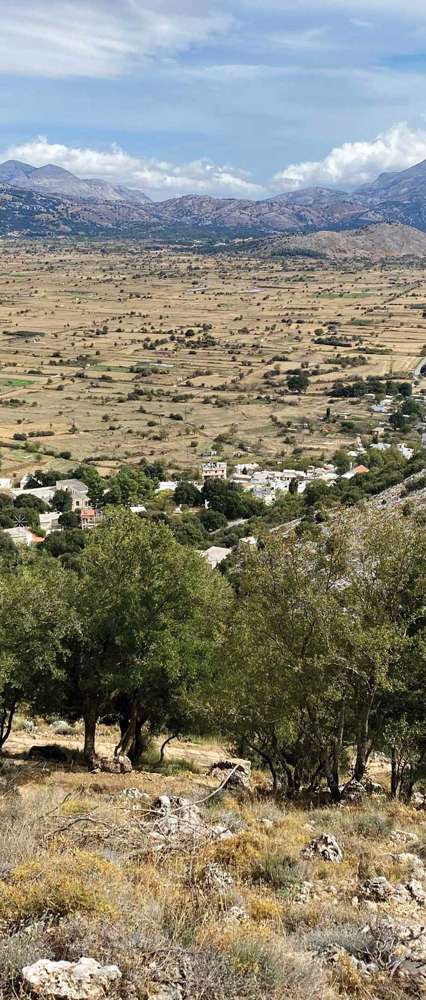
<point x="70" y="379"/>
<point x="79" y="876"/>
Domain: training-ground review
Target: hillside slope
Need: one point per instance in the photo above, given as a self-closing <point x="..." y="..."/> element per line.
<point x="373" y="242"/>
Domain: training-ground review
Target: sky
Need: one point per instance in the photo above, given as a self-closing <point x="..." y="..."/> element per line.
<point x="232" y="98"/>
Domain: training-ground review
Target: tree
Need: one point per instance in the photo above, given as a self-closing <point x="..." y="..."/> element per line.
<point x="281" y="687"/>
<point x="62" y="501"/>
<point x="27" y="500"/>
<point x="187" y="494"/>
<point x="62" y="544"/>
<point x="384" y="600"/>
<point x="149" y="613"/>
<point x="94" y="482"/>
<point x="212" y="520"/>
<point x="35" y="624"/>
<point x="342" y="461"/>
<point x="129" y="486"/>
<point x="230" y="499"/>
<point x="298" y="383"/>
<point x="70" y="519"/>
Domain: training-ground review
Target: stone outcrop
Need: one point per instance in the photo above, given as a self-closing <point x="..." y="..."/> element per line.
<point x="82" y="980"/>
<point x="324" y="846"/>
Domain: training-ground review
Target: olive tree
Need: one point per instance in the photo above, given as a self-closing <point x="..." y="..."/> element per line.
<point x="35" y="626"/>
<point x="150" y="621"/>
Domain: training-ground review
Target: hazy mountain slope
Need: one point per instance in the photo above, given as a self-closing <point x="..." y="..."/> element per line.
<point x="53" y="180"/>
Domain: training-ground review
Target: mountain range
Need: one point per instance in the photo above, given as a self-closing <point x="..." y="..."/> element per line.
<point x="49" y="200"/>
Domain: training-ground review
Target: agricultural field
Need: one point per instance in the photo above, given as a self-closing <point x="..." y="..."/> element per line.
<point x="113" y="352"/>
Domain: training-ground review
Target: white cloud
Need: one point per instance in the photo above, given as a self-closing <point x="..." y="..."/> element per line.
<point x="156" y="177"/>
<point x="356" y="163"/>
<point x="101" y="38"/>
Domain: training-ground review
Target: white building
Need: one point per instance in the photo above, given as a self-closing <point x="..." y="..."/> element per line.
<point x="78" y="490"/>
<point x="50" y="521"/>
<point x="214" y="470"/>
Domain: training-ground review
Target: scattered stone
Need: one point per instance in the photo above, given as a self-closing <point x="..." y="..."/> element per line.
<point x="374" y="788"/>
<point x="354" y="791"/>
<point x="378" y="889"/>
<point x="179" y="820"/>
<point x="403" y="837"/>
<point x="417" y="891"/>
<point x="236" y="914"/>
<point x="235" y="776"/>
<point x="304" y="892"/>
<point x="135" y="795"/>
<point x="335" y="953"/>
<point x="82" y="980"/>
<point x="115" y="765"/>
<point x="216" y="877"/>
<point x="167" y="982"/>
<point x="326" y="846"/>
<point x="414" y="862"/>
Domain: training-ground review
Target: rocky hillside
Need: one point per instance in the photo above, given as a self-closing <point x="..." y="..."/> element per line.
<point x="50" y="199"/>
<point x="373" y="242"/>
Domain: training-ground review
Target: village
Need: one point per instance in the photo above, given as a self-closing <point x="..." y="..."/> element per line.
<point x="71" y="496"/>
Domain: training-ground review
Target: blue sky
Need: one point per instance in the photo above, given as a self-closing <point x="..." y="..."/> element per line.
<point x="224" y="97"/>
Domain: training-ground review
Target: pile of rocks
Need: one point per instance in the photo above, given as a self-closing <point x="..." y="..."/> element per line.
<point x="380" y="890"/>
<point x="326" y="847"/>
<point x="234" y="777"/>
<point x="177" y="821"/>
<point x="119" y="764"/>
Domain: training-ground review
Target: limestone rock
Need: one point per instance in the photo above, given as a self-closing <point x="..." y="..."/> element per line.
<point x="238" y="776"/>
<point x="82" y="980"/>
<point x="354" y="791"/>
<point x="417" y="891"/>
<point x="326" y="846"/>
<point x="378" y="889"/>
<point x="135" y="795"/>
<point x="216" y="877"/>
<point x="115" y="765"/>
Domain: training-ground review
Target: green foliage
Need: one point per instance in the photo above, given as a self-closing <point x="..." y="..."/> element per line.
<point x="187" y="494"/>
<point x="62" y="501"/>
<point x="35" y="622"/>
<point x="129" y="486"/>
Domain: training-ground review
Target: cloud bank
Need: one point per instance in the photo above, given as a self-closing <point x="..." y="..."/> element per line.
<point x="356" y="163"/>
<point x="157" y="177"/>
<point x="346" y="166"/>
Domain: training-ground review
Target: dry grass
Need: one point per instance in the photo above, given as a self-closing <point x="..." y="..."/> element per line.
<point x="79" y="876"/>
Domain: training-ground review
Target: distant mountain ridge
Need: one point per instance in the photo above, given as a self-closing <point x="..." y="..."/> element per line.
<point x="48" y="200"/>
<point x="51" y="179"/>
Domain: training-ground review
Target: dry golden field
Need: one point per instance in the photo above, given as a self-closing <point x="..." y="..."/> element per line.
<point x="76" y="318"/>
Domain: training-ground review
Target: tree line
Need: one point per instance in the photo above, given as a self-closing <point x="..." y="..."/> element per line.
<point x="308" y="658"/>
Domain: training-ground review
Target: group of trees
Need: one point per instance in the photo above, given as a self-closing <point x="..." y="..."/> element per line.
<point x="310" y="658"/>
<point x="325" y="655"/>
